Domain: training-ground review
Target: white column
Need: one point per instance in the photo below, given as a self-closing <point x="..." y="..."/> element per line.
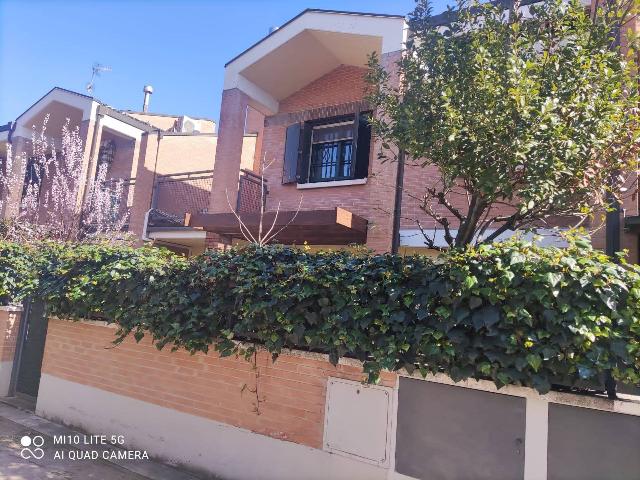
<point x="536" y="439"/>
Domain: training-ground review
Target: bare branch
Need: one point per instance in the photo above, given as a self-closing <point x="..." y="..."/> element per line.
<point x="268" y="239"/>
<point x="248" y="236"/>
<point x="442" y="198"/>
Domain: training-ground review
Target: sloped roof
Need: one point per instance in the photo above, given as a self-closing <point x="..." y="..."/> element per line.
<point x="304" y="12"/>
<point x="104" y="109"/>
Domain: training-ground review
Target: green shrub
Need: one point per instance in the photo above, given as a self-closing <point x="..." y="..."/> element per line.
<point x="17" y="273"/>
<point x="510" y="312"/>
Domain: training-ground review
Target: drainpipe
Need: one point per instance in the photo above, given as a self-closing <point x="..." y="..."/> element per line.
<point x="397" y="206"/>
<point x="612" y="244"/>
<point x="153" y="200"/>
<point x="613" y="217"/>
<point x="612" y="247"/>
<point x="613" y="228"/>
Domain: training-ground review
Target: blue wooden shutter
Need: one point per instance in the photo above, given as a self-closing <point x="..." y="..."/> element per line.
<point x="364" y="145"/>
<point x="304" y="156"/>
<point x="291" y="151"/>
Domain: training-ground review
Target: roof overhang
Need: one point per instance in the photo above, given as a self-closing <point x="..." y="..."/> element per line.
<point x="336" y="226"/>
<point x="62" y="104"/>
<point x="309" y="46"/>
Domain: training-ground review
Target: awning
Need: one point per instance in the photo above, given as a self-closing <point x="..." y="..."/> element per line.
<point x="316" y="227"/>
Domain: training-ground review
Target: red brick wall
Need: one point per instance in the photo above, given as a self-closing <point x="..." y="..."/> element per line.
<point x="338" y="92"/>
<point x="143" y="190"/>
<point x="229" y="149"/>
<point x="291" y="391"/>
<point x="213" y="241"/>
<point x="9" y="326"/>
<point x="342" y="85"/>
<point x="335" y="93"/>
<point x="255" y="124"/>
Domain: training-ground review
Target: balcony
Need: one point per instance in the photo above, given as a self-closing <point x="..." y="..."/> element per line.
<point x="176" y="194"/>
<point x="249" y="198"/>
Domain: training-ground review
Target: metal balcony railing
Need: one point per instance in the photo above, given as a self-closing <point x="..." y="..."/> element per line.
<point x="179" y="193"/>
<point x="249" y="196"/>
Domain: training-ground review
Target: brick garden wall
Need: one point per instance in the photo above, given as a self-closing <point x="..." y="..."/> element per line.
<point x="9" y="329"/>
<point x="9" y="326"/>
<point x="182" y="408"/>
<point x="291" y="390"/>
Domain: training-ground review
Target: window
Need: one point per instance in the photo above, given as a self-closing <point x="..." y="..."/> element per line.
<point x="332" y="152"/>
<point x="330" y="149"/>
<point x="106" y="155"/>
<point x="34" y="172"/>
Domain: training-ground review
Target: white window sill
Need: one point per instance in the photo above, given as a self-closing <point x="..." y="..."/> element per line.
<point x="337" y="183"/>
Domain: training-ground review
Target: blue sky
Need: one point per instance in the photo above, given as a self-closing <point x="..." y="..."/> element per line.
<point x="178" y="46"/>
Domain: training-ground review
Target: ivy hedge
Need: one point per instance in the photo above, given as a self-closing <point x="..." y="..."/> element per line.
<point x="510" y="312"/>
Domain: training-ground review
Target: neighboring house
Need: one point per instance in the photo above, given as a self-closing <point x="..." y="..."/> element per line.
<point x="297" y="100"/>
<point x="165" y="161"/>
<point x="304" y="85"/>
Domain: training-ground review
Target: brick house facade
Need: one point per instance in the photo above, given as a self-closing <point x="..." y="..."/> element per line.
<point x="164" y="161"/>
<point x="305" y="75"/>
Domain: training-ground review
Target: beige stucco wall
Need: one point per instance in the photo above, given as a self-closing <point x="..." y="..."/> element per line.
<point x="186" y="153"/>
<point x="247" y="158"/>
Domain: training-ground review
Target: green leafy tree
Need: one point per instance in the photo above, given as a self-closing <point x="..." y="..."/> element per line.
<point x="526" y="115"/>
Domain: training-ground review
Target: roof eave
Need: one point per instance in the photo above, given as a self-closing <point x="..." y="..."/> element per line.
<point x="304" y="12"/>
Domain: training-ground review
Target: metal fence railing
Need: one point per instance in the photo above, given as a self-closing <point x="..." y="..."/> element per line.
<point x="179" y="193"/>
<point x="249" y="196"/>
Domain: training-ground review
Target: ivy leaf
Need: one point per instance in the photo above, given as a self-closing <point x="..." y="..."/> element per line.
<point x="541" y="384"/>
<point x="474" y="302"/>
<point x="470" y="282"/>
<point x="517" y="257"/>
<point x="485" y="317"/>
<point x="535" y="361"/>
<point x="553" y="278"/>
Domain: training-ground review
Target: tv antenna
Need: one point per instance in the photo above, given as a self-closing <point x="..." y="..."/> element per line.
<point x="96" y="70"/>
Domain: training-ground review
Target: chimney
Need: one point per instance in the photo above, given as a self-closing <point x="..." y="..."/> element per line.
<point x="148" y="90"/>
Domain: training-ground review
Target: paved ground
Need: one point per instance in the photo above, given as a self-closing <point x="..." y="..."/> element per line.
<point x="16" y="424"/>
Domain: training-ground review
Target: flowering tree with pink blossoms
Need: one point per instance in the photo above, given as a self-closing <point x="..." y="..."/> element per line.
<point x="48" y="195"/>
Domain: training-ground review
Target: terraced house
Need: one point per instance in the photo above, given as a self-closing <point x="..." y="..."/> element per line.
<point x="294" y="102"/>
<point x="164" y="162"/>
<point x="302" y="90"/>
